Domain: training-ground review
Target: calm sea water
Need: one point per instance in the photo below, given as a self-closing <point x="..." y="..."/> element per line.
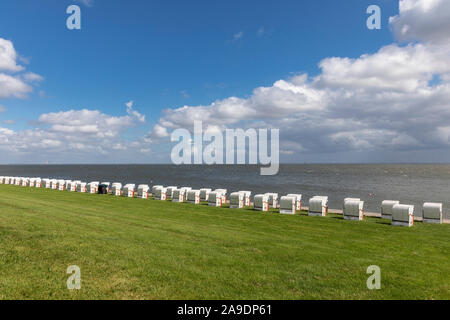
<point x="409" y="183"/>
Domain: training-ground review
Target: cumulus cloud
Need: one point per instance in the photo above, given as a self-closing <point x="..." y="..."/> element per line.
<point x="133" y="113"/>
<point x="80" y="133"/>
<point x="13" y="87"/>
<point x="395" y="99"/>
<point x="90" y="122"/>
<point x="14" y="84"/>
<point x="8" y="57"/>
<point x="32" y="77"/>
<point x="422" y="20"/>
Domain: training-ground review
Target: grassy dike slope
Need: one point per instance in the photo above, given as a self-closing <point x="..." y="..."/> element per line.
<point x="145" y="249"/>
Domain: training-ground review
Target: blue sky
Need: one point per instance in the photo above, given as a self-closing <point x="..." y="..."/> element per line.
<point x="167" y="54"/>
<point x="153" y="52"/>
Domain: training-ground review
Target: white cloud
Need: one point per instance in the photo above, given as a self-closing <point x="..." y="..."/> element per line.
<point x="8" y="57"/>
<point x="392" y="68"/>
<point x="386" y="101"/>
<point x="159" y="131"/>
<point x="90" y="122"/>
<point x="133" y="113"/>
<point x="2" y="108"/>
<point x="75" y="134"/>
<point x="13" y="85"/>
<point x="396" y="99"/>
<point x="32" y="77"/>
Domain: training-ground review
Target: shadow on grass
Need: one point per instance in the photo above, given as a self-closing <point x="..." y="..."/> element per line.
<point x="385" y="222"/>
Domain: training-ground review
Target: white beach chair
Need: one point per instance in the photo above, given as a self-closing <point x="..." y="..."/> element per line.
<point x="403" y="215"/>
<point x="46" y="183"/>
<point x="353" y="209"/>
<point x="216" y="198"/>
<point x="261" y="202"/>
<point x="237" y="200"/>
<point x="67" y="184"/>
<point x="193" y="196"/>
<point x="224" y="195"/>
<point x="288" y="204"/>
<point x="38" y="183"/>
<point x="247" y="198"/>
<point x="178" y="195"/>
<point x="156" y="192"/>
<point x="154" y="189"/>
<point x="24" y="182"/>
<point x="53" y="184"/>
<point x="204" y="194"/>
<point x="142" y="191"/>
<point x="60" y="185"/>
<point x="81" y="187"/>
<point x="432" y="212"/>
<point x="129" y="190"/>
<point x="318" y="206"/>
<point x="116" y="189"/>
<point x="273" y="199"/>
<point x="298" y="200"/>
<point x="170" y="191"/>
<point x="92" y="187"/>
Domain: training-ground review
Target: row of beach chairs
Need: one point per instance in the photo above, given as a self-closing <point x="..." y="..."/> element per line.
<point x="353" y="208"/>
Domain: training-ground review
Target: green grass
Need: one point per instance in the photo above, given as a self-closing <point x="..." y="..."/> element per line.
<point x="145" y="249"/>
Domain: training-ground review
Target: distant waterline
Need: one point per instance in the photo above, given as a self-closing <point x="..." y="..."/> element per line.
<point x="373" y="183"/>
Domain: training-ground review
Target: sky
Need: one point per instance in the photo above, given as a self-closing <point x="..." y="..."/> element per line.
<point x="113" y="91"/>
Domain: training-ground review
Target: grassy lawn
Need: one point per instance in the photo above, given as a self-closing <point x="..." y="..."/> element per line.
<point x="145" y="249"/>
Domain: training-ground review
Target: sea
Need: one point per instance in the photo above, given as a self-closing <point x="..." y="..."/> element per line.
<point x="373" y="183"/>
